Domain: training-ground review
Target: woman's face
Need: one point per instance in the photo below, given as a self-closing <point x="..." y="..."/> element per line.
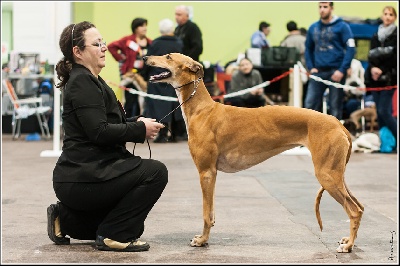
<point x="245" y="66"/>
<point x="141" y="31"/>
<point x="388" y="17"/>
<point x="93" y="56"/>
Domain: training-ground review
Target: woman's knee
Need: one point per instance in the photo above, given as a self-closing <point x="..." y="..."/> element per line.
<point x="159" y="172"/>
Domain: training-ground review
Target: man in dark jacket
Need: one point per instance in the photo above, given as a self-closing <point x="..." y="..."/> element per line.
<point x="189" y="33"/>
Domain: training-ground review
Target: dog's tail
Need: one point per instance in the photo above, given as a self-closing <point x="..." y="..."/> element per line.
<point x="316" y="206"/>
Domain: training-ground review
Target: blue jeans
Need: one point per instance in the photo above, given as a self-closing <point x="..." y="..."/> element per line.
<point x="383" y="100"/>
<point x="315" y="94"/>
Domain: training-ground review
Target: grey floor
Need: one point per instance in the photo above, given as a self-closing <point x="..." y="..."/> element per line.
<point x="264" y="215"/>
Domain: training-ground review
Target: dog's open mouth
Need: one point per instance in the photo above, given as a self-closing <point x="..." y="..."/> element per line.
<point x="163" y="75"/>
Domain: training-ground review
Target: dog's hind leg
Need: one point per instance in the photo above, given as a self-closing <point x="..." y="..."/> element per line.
<point x="353" y="209"/>
<point x="207" y="182"/>
<point x="330" y="165"/>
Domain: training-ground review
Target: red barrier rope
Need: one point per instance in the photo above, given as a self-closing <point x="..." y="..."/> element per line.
<point x="381" y="88"/>
<point x="281" y="76"/>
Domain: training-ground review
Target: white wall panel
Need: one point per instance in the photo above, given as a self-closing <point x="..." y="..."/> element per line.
<point x="37" y="27"/>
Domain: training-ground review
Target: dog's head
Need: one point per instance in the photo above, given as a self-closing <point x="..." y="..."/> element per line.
<point x="351" y="127"/>
<point x="179" y="69"/>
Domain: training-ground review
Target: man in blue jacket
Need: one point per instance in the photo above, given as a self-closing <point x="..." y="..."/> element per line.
<point x="330" y="47"/>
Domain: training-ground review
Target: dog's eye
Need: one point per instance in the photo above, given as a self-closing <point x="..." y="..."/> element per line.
<point x="168" y="57"/>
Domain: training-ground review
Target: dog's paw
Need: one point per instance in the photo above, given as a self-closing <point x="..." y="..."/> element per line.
<point x="343" y="246"/>
<point x="198" y="241"/>
<point x="342" y="249"/>
<point x="344" y="240"/>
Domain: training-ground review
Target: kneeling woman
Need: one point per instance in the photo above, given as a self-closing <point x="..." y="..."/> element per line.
<point x="105" y="192"/>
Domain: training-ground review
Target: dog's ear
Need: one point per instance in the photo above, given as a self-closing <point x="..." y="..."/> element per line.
<point x="350" y="126"/>
<point x="197" y="68"/>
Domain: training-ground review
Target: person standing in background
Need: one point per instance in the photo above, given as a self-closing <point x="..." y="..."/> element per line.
<point x="189" y="33"/>
<point x="382" y="69"/>
<point x="295" y="39"/>
<point x="303" y="31"/>
<point x="129" y="52"/>
<point x="330" y="47"/>
<point x="158" y="109"/>
<point x="259" y="38"/>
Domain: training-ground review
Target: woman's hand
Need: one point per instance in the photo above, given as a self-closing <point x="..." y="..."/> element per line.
<point x="376" y="72"/>
<point x="152" y="127"/>
<point x="259" y="91"/>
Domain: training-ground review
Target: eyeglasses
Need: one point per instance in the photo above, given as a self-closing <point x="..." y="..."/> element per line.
<point x="98" y="44"/>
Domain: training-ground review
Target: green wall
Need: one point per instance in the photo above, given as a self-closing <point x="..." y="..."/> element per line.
<point x="226" y="26"/>
<point x="6" y="32"/>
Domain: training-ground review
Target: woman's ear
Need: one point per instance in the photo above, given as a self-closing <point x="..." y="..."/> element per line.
<point x="77" y="52"/>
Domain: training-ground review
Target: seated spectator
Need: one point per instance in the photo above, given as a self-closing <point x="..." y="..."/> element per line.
<point x="259" y="38"/>
<point x="246" y="77"/>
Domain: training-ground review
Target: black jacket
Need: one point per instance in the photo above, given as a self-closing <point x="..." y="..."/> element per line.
<point x="191" y="36"/>
<point x="387" y="62"/>
<point x="95" y="132"/>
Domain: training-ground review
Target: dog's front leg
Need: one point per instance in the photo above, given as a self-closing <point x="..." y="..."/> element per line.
<point x="207" y="182"/>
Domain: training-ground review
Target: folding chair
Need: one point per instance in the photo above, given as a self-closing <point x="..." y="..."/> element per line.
<point x="24" y="108"/>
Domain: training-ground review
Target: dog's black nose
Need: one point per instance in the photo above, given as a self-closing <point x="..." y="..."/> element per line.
<point x="145" y="58"/>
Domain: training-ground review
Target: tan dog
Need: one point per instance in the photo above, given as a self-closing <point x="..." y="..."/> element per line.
<point x="231" y="139"/>
<point x="139" y="82"/>
<point x="135" y="78"/>
<point x="370" y="115"/>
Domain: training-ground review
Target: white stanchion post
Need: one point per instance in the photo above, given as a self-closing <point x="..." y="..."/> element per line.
<point x="296" y="86"/>
<point x="56" y="152"/>
<point x="297" y="103"/>
<point x="61" y="16"/>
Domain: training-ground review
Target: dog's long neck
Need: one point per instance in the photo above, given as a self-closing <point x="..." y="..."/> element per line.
<point x="200" y="101"/>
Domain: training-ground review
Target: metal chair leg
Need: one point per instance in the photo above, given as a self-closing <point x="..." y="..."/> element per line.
<point x="40" y="123"/>
<point x="363" y="117"/>
<point x="46" y="126"/>
<point x="17" y="132"/>
<point x="43" y="125"/>
<point x="13" y="126"/>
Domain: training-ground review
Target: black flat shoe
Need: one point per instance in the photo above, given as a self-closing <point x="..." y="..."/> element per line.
<point x="52" y="214"/>
<point x="107" y="244"/>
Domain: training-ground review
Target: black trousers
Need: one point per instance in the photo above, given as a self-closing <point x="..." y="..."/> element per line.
<point x="114" y="209"/>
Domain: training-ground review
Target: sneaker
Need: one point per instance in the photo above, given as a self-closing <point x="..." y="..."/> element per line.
<point x="107" y="244"/>
<point x="53" y="225"/>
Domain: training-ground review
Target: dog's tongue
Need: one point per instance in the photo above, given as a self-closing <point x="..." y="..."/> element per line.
<point x="162" y="75"/>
